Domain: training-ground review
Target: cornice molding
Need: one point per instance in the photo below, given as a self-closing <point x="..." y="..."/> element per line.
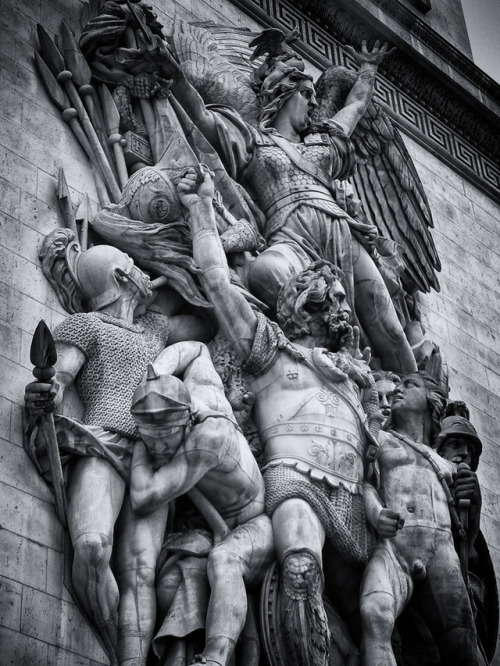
<point x="433" y="40"/>
<point x="420" y="103"/>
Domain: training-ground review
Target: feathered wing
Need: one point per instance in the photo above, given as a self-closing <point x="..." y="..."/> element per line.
<point x="216" y="61"/>
<point x="386" y="182"/>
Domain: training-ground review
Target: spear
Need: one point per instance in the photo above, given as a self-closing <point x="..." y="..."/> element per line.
<point x="84" y="215"/>
<point x="69" y="115"/>
<point x="82" y="75"/>
<point x="43" y="355"/>
<point x="55" y="61"/>
<point x="65" y="203"/>
<point x="115" y="138"/>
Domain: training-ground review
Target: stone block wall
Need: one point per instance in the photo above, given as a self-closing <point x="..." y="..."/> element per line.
<point x="39" y="623"/>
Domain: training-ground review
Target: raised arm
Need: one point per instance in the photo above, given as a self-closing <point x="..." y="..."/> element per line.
<point x="190" y="100"/>
<point x="361" y="93"/>
<point x="235" y="316"/>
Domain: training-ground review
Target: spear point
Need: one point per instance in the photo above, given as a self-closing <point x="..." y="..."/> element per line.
<point x="43" y="353"/>
<point x="74" y="57"/>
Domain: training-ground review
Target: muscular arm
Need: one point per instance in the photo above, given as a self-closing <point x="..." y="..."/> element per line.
<point x="235" y="316"/>
<point x="175" y="360"/>
<point x="192" y="103"/>
<point x="361" y="93"/>
<point x="150" y="488"/>
<point x="70" y="360"/>
<point x="384" y="521"/>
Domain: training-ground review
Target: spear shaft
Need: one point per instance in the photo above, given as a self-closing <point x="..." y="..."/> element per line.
<point x="55" y="62"/>
<point x="43" y="356"/>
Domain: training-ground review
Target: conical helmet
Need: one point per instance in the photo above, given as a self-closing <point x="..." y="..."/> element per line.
<point x="161" y="401"/>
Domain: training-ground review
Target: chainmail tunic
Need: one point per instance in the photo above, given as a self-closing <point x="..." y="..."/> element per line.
<point x="117" y="356"/>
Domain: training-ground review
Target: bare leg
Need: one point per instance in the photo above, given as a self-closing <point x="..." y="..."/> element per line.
<point x="377" y="315"/>
<point x="242" y="557"/>
<point x="138" y="547"/>
<point x="383" y="596"/>
<point x="444" y="603"/>
<point x="299" y="538"/>
<point x="95" y="497"/>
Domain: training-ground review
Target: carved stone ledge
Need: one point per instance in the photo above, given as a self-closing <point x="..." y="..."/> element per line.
<point x="433" y="40"/>
<point x="433" y="112"/>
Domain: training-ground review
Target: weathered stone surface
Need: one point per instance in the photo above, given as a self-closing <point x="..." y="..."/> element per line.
<point x="21" y="650"/>
<point x="10" y="604"/>
<point x="39" y="622"/>
<point x="44" y="615"/>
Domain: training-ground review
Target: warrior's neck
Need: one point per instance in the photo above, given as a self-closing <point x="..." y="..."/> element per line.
<point x="413" y="426"/>
<point x="122" y="309"/>
<point x="284" y="126"/>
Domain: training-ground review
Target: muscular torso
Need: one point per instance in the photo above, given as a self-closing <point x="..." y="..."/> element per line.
<point x="410" y="486"/>
<point x="233" y="483"/>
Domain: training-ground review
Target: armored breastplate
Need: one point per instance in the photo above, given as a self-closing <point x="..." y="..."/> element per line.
<point x="282" y="185"/>
<point x="325" y="438"/>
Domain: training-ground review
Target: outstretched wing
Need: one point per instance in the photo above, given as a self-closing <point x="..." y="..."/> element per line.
<point x="216" y="61"/>
<point x="386" y="182"/>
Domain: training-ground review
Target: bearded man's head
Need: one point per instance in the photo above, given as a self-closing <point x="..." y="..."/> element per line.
<point x="314" y="303"/>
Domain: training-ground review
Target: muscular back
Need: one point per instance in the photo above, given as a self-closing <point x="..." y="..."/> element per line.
<point x="234" y="483"/>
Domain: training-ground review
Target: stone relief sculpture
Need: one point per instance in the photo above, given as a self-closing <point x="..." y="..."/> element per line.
<point x="284" y="229"/>
<point x="419" y="560"/>
<point x="191" y="439"/>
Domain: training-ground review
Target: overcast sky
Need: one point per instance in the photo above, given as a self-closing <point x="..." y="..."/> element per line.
<point x="483" y="24"/>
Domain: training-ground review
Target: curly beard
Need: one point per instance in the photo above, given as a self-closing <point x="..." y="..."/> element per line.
<point x="332" y="328"/>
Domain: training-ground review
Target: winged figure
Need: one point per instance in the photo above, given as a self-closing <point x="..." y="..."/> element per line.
<point x="381" y="241"/>
<point x="385" y="178"/>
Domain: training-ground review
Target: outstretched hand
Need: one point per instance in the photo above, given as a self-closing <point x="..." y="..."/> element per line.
<point x="373" y="57"/>
<point x="354" y="349"/>
<point x="191" y="191"/>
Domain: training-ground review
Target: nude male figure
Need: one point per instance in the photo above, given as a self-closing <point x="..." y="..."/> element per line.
<point x="190" y="439"/>
<point x="415" y="556"/>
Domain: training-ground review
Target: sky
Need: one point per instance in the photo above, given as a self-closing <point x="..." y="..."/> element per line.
<point x="483" y="24"/>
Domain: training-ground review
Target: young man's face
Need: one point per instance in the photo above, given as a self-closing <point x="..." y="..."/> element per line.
<point x="385" y="389"/>
<point x="410" y="395"/>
